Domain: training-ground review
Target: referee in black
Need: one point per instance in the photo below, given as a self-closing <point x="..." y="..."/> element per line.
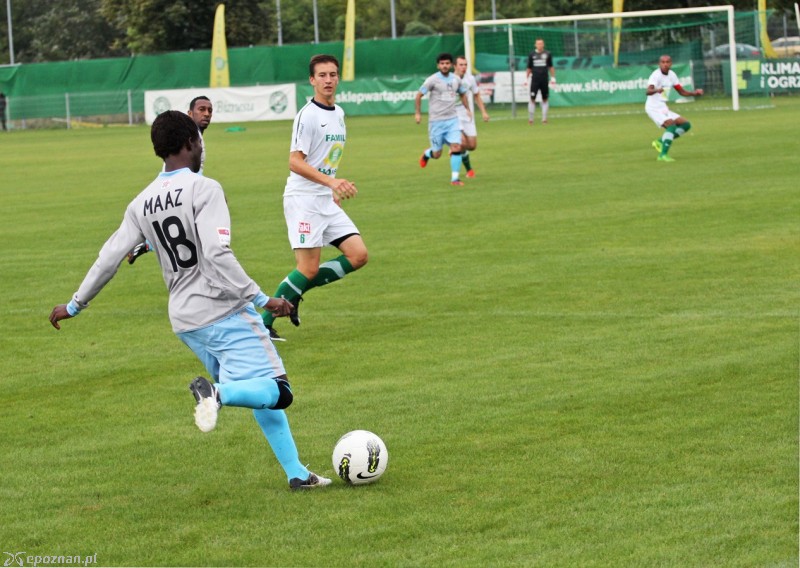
<point x="541" y="74"/>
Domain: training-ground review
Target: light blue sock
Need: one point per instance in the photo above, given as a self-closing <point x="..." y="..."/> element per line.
<point x="455" y="164"/>
<point x="428" y="153"/>
<point x="250" y="393"/>
<point x="275" y="426"/>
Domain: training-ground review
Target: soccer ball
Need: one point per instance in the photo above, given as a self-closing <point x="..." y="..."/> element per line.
<point x="360" y="457"/>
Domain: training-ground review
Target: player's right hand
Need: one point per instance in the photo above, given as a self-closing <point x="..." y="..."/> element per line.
<point x="343" y="189"/>
<point x="278" y="307"/>
<point x="59" y="313"/>
<point x="417" y="117"/>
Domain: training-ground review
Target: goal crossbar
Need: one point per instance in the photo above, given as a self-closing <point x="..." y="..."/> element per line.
<point x="728" y="9"/>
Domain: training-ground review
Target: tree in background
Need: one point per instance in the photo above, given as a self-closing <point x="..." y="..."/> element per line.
<point x="79" y="29"/>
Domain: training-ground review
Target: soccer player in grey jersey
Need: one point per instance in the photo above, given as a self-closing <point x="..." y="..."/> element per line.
<point x="200" y="110"/>
<point x="313" y="194"/>
<point x="443" y="88"/>
<point x="211" y="297"/>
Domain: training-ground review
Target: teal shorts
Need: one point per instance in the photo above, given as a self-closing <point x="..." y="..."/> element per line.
<point x="443" y="132"/>
<point x="236" y="348"/>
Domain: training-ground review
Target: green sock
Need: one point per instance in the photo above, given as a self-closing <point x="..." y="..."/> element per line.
<point x="667" y="138"/>
<point x="465" y="160"/>
<point x="294" y="285"/>
<point x="331" y="271"/>
<point x="682" y="129"/>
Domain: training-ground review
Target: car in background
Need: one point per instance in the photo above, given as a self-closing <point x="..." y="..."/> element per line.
<point x="787" y="46"/>
<point x="743" y="51"/>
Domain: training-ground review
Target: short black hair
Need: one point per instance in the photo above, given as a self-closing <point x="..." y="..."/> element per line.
<point x="200" y="98"/>
<point x="172" y="130"/>
<point x="322" y="58"/>
<point x="444" y="57"/>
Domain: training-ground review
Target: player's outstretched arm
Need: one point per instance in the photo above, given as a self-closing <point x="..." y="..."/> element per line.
<point x="685" y="93"/>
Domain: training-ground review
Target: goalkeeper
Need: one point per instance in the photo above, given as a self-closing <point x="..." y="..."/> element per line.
<point x="541" y="74"/>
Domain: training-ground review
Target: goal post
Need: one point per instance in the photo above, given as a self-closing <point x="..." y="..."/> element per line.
<point x="648" y="27"/>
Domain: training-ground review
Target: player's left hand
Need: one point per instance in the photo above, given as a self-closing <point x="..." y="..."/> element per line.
<point x="59" y="313"/>
<point x="485" y="117"/>
<point x="278" y="307"/>
<point x="698" y="92"/>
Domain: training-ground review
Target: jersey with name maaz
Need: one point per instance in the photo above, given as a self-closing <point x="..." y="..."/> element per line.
<point x="186" y="218"/>
<point x="320" y="134"/>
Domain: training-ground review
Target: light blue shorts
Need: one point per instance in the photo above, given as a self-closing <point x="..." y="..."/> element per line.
<point x="236" y="348"/>
<point x="443" y="132"/>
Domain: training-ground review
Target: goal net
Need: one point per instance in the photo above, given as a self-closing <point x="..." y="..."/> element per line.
<point x="604" y="60"/>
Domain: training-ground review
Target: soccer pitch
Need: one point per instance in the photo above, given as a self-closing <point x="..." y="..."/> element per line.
<point x="582" y="357"/>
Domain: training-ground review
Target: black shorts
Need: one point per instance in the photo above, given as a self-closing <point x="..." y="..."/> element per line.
<point x="540" y="85"/>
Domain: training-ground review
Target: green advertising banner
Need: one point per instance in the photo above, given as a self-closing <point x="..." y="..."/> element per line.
<point x="757" y="77"/>
<point x="372" y="96"/>
<point x="585" y="87"/>
<point x="609" y="86"/>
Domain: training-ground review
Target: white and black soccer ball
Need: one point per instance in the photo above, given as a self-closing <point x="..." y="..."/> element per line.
<point x="360" y="457"/>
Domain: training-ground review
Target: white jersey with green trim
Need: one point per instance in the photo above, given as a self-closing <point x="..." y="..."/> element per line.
<point x="667" y="82"/>
<point x="185" y="215"/>
<point x="471" y="85"/>
<point x="320" y="134"/>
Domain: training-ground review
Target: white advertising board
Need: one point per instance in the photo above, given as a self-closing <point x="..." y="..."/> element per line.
<point x="231" y="104"/>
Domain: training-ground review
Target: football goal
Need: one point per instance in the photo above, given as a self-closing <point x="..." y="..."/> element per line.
<point x="605" y="59"/>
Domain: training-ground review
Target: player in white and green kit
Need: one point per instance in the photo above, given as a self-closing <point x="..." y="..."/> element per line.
<point x="313" y="194"/>
<point x="659" y="85"/>
<point x="469" y="132"/>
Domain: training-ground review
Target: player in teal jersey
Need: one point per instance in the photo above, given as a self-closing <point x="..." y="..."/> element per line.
<point x="444" y="89"/>
<point x="313" y="194"/>
<point x="211" y="298"/>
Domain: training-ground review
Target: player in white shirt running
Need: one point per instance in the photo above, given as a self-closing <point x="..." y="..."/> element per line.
<point x="659" y="85"/>
<point x="313" y="194"/>
<point x="211" y="298"/>
<point x="469" y="132"/>
<point x="200" y="111"/>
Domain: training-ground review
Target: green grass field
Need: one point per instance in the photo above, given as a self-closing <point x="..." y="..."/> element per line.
<point x="581" y="358"/>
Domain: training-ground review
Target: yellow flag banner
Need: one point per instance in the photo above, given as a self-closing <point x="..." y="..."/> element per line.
<point x="769" y="51"/>
<point x="469" y="16"/>
<point x="617" y="7"/>
<point x="220" y="76"/>
<point x="349" y="60"/>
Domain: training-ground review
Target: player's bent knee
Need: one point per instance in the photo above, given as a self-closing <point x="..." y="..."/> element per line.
<point x="285" y="396"/>
<point x="359" y="259"/>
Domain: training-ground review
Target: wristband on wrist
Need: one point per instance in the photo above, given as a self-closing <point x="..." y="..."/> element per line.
<point x="261" y="299"/>
<point x="73" y="309"/>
